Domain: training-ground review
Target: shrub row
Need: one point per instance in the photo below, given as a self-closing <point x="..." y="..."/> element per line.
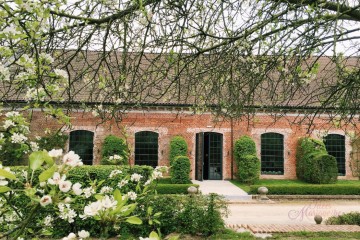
<point x="307" y="189"/>
<point x="178" y="147"/>
<point x="247" y="162"/>
<point x="174" y="188"/>
<point x="313" y="163"/>
<point x="352" y="218"/>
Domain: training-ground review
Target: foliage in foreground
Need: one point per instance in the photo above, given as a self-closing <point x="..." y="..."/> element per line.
<point x="52" y="201"/>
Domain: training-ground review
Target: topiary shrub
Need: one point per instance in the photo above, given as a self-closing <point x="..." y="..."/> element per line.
<point x="249" y="169"/>
<point x="247" y="162"/>
<point x="114" y="151"/>
<point x="178" y="147"/>
<point x="244" y="146"/>
<point x="180" y="170"/>
<point x="313" y="163"/>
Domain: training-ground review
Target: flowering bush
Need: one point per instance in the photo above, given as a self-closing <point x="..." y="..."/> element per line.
<point x="54" y="199"/>
<point x="14" y="140"/>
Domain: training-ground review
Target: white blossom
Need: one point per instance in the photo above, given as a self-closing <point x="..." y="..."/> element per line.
<point x="4" y="71"/>
<point x="135" y="177"/>
<point x="34" y="146"/>
<point x="48" y="220"/>
<point x="8" y="123"/>
<point x="18" y="138"/>
<point x="45" y="200"/>
<point x="12" y="114"/>
<point x="56" y="179"/>
<point x="88" y="192"/>
<point x="55" y="153"/>
<point x="106" y="189"/>
<point x="77" y="189"/>
<point x="132" y="195"/>
<point x="71" y="236"/>
<point x="83" y="234"/>
<point x="114" y="173"/>
<point x="47" y="57"/>
<point x="61" y="73"/>
<point x="72" y="159"/>
<point x="65" y="186"/>
<point x="66" y="213"/>
<point x="122" y="183"/>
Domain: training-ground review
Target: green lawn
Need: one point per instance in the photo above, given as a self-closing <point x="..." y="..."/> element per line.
<point x="276" y="182"/>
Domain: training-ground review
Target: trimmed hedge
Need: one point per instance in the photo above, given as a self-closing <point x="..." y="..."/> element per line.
<point x="114" y="145"/>
<point x="351" y="218"/>
<point x="178" y="147"/>
<point x="314" y="164"/>
<point x="174" y="188"/>
<point x="247" y="162"/>
<point x="308" y="189"/>
<point x="180" y="170"/>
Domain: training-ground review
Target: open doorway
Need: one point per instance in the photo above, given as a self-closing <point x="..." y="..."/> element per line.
<point x="208" y="159"/>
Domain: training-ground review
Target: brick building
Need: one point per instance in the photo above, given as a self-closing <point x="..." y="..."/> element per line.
<point x="149" y="128"/>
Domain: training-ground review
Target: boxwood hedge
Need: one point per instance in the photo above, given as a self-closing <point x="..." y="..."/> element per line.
<point x="310" y="189"/>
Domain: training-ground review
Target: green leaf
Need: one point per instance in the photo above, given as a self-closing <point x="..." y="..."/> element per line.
<point x="176" y="237"/>
<point x="98" y="196"/>
<point x="157" y="214"/>
<point x="36" y="159"/>
<point x="134" y="220"/>
<point x="154" y="236"/>
<point x="6" y="174"/>
<point x="4" y="189"/>
<point x="128" y="209"/>
<point x="45" y="175"/>
<point x="149" y="210"/>
<point x="117" y="195"/>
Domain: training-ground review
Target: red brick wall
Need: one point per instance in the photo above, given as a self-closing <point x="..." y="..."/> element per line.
<point x="169" y="124"/>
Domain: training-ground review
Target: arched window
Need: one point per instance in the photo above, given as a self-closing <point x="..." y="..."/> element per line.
<point x="272" y="153"/>
<point x="335" y="146"/>
<point x="146" y="148"/>
<point x="82" y="143"/>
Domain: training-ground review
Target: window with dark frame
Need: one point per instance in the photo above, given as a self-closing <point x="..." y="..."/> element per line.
<point x="82" y="143"/>
<point x="272" y="154"/>
<point x="335" y="146"/>
<point x="146" y="148"/>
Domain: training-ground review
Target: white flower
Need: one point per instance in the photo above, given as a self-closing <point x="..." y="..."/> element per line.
<point x="8" y="123"/>
<point x="18" y="138"/>
<point x="114" y="173"/>
<point x="135" y="177"/>
<point x="72" y="159"/>
<point x="108" y="202"/>
<point x="65" y="186"/>
<point x="83" y="234"/>
<point x="71" y="236"/>
<point x="3" y="182"/>
<point x="45" y="200"/>
<point x="77" y="189"/>
<point x="132" y="195"/>
<point x="56" y="179"/>
<point x="92" y="209"/>
<point x="48" y="220"/>
<point x="106" y="189"/>
<point x="66" y="213"/>
<point x="56" y="153"/>
<point x="88" y="192"/>
<point x="122" y="183"/>
<point x="12" y="114"/>
<point x="42" y="184"/>
<point x="61" y="73"/>
<point x="34" y="146"/>
<point x="147" y="182"/>
<point x="157" y="174"/>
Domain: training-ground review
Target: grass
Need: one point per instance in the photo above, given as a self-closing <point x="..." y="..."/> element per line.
<point x="280" y="182"/>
